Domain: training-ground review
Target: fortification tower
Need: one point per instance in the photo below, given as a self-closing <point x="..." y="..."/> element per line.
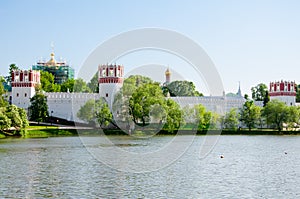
<point x="23" y="86"/>
<point x="284" y="91"/>
<point x="110" y="81"/>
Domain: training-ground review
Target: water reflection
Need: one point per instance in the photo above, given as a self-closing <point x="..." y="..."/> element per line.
<point x="252" y="167"/>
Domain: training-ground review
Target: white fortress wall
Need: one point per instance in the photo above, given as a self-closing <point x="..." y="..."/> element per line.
<point x="217" y="104"/>
<point x="66" y="105"/>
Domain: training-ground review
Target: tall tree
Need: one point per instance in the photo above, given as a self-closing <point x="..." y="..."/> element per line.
<point x="250" y="114"/>
<point x="47" y="82"/>
<point x="182" y="88"/>
<point x="80" y="86"/>
<point x="12" y="67"/>
<point x="93" y="84"/>
<point x="38" y="110"/>
<point x="5" y="122"/>
<point x="141" y="101"/>
<point x="231" y="119"/>
<point x="67" y="86"/>
<point x="259" y="92"/>
<point x="12" y="112"/>
<point x="96" y="111"/>
<point x="3" y="102"/>
<point x="276" y="112"/>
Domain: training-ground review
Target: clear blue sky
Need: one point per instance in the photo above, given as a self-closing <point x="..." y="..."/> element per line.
<point x="249" y="41"/>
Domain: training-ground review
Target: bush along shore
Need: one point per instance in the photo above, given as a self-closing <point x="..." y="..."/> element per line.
<point x="54" y="131"/>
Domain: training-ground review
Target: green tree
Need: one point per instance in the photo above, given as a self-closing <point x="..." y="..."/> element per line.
<point x="298" y="93"/>
<point x="38" y="110"/>
<point x="67" y="86"/>
<point x="174" y="116"/>
<point x="12" y="113"/>
<point x="96" y="111"/>
<point x="181" y="88"/>
<point x="231" y="119"/>
<point x="141" y="101"/>
<point x="3" y="102"/>
<point x="276" y="112"/>
<point x="93" y="84"/>
<point x="47" y="82"/>
<point x="250" y="114"/>
<point x="266" y="98"/>
<point x="80" y="86"/>
<point x="294" y="116"/>
<point x="5" y="122"/>
<point x="23" y="116"/>
<point x="259" y="92"/>
<point x="103" y="115"/>
<point x="12" y="67"/>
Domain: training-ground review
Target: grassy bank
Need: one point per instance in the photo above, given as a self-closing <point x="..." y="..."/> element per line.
<point x="54" y="131"/>
<point x="46" y="131"/>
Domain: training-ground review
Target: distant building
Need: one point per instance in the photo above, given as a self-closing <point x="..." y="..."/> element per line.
<point x="59" y="69"/>
<point x="284" y="91"/>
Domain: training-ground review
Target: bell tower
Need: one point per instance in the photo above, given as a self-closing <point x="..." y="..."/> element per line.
<point x="23" y="86"/>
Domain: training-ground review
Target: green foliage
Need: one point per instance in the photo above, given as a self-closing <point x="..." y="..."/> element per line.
<point x="298" y="93"/>
<point x="47" y="82"/>
<point x="23" y="117"/>
<point x="95" y="110"/>
<point x="3" y="102"/>
<point x="11" y="68"/>
<point x="67" y="86"/>
<point x="93" y="84"/>
<point x="231" y="119"/>
<point x="38" y="110"/>
<point x="200" y="118"/>
<point x="142" y="99"/>
<point x="250" y="114"/>
<point x="174" y="116"/>
<point x="181" y="88"/>
<point x="12" y="113"/>
<point x="80" y="86"/>
<point x="259" y="92"/>
<point x="5" y="122"/>
<point x="277" y="113"/>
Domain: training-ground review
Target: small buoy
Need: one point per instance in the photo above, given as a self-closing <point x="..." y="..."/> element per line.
<point x="222" y="156"/>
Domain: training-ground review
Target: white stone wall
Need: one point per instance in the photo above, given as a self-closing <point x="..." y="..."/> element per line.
<point x="288" y="100"/>
<point x="66" y="105"/>
<point x="21" y="96"/>
<point x="220" y="105"/>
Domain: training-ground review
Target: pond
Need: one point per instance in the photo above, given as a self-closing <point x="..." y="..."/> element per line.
<point x="64" y="167"/>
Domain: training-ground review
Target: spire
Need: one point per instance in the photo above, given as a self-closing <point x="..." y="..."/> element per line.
<point x="239" y="93"/>
<point x="168" y="75"/>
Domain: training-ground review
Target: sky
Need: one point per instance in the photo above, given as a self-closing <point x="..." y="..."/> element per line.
<point x="250" y="42"/>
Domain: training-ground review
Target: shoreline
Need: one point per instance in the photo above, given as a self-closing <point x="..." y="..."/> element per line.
<point x="55" y="131"/>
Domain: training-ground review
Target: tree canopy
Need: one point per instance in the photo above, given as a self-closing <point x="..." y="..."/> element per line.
<point x="250" y="114"/>
<point x="259" y="92"/>
<point x="38" y="110"/>
<point x="47" y="82"/>
<point x="96" y="111"/>
<point x="181" y="88"/>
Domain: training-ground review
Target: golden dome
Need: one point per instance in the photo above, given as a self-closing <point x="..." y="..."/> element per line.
<point x="52" y="61"/>
<point x="168" y="72"/>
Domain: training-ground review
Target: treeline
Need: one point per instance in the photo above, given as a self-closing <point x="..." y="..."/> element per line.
<point x="142" y="103"/>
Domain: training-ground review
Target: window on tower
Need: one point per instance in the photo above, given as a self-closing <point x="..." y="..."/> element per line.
<point x="17" y="94"/>
<point x="106" y="94"/>
<point x="25" y="95"/>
